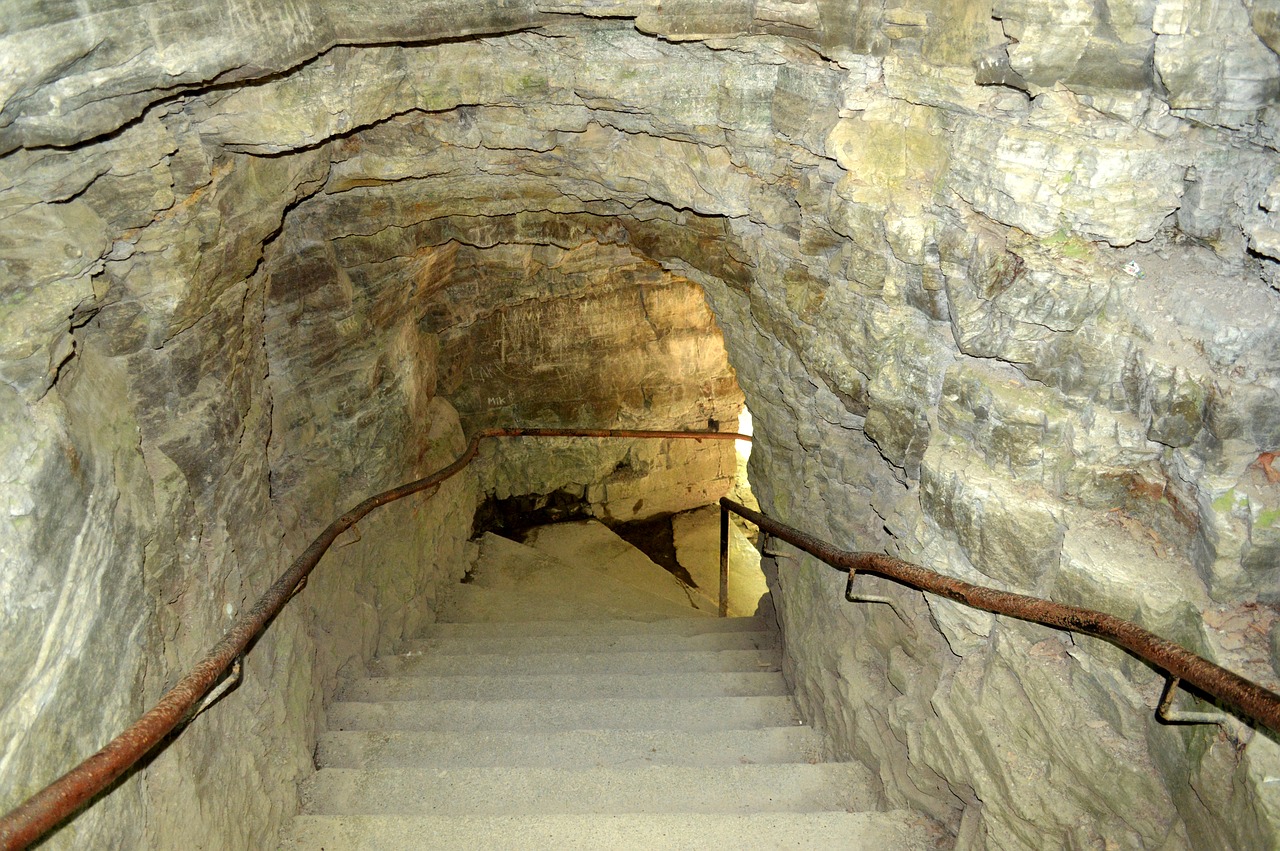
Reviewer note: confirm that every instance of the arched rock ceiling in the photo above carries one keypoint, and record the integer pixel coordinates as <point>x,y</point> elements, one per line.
<point>914,225</point>
<point>86,76</point>
<point>75,76</point>
<point>799,136</point>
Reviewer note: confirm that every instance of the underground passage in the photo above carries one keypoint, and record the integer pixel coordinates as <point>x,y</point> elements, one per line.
<point>640,424</point>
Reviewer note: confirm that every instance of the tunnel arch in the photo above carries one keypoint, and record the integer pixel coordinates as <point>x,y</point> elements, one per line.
<point>924,283</point>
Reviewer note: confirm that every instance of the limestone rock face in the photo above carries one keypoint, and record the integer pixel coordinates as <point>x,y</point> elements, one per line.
<point>1213,62</point>
<point>1000,293</point>
<point>1117,188</point>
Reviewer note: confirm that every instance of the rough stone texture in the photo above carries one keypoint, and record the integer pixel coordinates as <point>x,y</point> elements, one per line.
<point>912,225</point>
<point>596,335</point>
<point>140,491</point>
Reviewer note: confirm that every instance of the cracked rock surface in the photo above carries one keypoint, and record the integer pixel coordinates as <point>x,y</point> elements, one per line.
<point>998,282</point>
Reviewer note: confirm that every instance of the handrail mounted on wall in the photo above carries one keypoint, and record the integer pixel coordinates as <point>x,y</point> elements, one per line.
<point>56,802</point>
<point>1242,695</point>
<point>49,807</point>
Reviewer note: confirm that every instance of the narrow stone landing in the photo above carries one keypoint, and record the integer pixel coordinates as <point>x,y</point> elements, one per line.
<point>661,730</point>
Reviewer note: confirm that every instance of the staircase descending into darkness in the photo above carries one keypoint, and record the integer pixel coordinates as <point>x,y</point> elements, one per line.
<point>563,705</point>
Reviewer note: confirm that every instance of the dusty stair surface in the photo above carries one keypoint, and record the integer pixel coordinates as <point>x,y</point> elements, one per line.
<point>590,729</point>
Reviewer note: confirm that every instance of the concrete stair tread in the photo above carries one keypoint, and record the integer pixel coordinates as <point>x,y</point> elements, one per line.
<point>568,706</point>
<point>695,713</point>
<point>502,605</point>
<point>617,626</point>
<point>778,787</point>
<point>510,686</point>
<point>634,662</point>
<point>567,749</point>
<point>883,831</point>
<point>455,645</point>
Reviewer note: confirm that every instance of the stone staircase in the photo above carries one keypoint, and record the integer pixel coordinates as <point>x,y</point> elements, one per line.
<point>667,729</point>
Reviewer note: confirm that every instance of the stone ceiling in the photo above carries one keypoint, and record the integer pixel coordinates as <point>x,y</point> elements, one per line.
<point>997,280</point>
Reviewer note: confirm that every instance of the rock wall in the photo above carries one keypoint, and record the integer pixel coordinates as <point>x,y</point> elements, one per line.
<point>157,481</point>
<point>594,335</point>
<point>997,281</point>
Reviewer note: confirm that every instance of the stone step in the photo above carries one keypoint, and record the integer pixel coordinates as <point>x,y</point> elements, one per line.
<point>636,662</point>
<point>563,708</point>
<point>570,749</point>
<point>531,644</point>
<point>664,713</point>
<point>524,629</point>
<point>888,831</point>
<point>786,787</point>
<point>499,687</point>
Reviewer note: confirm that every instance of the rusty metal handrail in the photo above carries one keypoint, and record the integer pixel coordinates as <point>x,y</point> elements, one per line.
<point>49,807</point>
<point>1243,696</point>
<point>59,800</point>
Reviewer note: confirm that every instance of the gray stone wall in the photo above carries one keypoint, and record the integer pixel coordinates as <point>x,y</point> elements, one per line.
<point>157,483</point>
<point>915,227</point>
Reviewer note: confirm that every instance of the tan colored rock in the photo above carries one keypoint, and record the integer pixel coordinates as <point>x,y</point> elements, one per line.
<point>1117,187</point>
<point>1211,61</point>
<point>592,545</point>
<point>916,269</point>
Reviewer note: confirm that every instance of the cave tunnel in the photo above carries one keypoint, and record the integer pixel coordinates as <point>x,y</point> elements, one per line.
<point>996,282</point>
